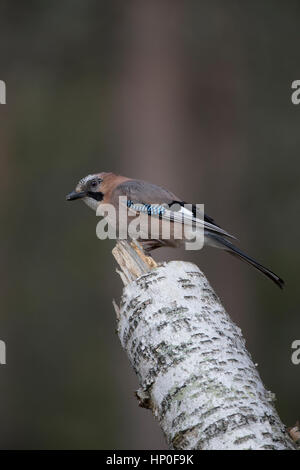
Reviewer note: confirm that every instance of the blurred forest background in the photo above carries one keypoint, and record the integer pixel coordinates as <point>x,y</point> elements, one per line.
<point>193,95</point>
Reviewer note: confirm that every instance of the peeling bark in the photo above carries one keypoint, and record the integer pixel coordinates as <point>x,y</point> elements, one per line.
<point>194,371</point>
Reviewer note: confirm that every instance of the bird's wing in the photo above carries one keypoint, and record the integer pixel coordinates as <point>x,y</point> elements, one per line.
<point>153,200</point>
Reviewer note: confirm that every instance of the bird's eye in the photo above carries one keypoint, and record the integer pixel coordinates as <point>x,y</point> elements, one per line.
<point>94,183</point>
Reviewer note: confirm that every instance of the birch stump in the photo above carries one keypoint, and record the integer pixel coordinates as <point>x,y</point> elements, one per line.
<point>194,371</point>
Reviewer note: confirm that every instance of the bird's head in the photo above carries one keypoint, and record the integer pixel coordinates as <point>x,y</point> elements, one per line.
<point>89,189</point>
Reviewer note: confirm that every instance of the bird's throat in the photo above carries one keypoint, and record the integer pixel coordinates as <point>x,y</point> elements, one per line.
<point>98,196</point>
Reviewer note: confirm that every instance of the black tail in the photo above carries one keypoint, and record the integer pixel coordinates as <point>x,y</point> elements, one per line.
<point>230,248</point>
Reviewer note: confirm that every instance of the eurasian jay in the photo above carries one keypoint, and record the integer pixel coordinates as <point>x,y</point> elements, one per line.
<point>153,201</point>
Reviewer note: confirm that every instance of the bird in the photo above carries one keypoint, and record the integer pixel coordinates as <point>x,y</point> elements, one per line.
<point>155,202</point>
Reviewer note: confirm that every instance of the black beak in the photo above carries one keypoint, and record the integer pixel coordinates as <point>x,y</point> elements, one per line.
<point>74,195</point>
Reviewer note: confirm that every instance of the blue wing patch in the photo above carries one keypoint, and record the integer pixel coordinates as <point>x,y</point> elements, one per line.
<point>150,209</point>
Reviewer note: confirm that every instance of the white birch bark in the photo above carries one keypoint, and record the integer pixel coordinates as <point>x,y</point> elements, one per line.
<point>194,371</point>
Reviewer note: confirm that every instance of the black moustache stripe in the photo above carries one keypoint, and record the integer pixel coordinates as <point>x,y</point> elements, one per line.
<point>98,196</point>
